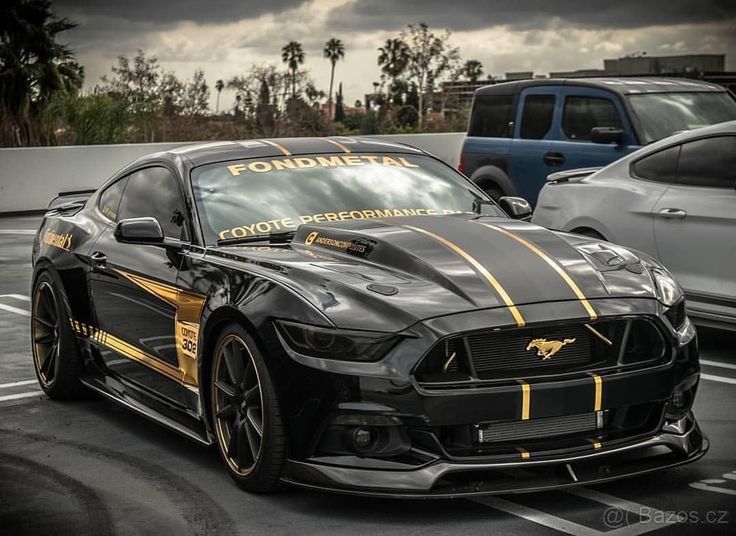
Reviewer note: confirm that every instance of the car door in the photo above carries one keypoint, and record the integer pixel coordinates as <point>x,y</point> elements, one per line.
<point>134,297</point>
<point>583,109</point>
<point>530,161</point>
<point>695,223</point>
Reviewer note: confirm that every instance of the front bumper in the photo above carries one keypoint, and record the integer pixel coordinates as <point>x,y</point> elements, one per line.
<point>677,444</point>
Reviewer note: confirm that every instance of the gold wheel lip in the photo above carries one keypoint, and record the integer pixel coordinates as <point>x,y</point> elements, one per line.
<point>221,442</point>
<point>45,382</point>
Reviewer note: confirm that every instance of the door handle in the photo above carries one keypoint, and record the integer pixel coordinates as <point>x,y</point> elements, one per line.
<point>553,158</point>
<point>98,259</point>
<point>673,213</point>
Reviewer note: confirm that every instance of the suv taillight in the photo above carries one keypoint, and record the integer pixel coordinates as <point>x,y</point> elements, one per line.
<point>461,163</point>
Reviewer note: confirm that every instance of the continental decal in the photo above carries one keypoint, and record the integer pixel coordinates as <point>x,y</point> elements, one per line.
<point>61,241</point>
<point>343,245</point>
<point>330,161</point>
<point>286,224</point>
<point>188,308</point>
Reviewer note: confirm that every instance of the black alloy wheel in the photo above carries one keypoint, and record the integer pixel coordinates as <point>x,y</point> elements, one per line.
<point>56,356</point>
<point>247,421</point>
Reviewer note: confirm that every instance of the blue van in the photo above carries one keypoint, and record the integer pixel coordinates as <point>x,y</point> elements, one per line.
<point>520,132</point>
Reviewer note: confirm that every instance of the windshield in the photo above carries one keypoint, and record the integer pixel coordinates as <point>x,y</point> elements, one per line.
<point>662,114</point>
<point>274,195</point>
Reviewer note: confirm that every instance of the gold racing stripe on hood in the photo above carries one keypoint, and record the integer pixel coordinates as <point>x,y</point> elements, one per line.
<point>339,145</point>
<point>278,146</point>
<point>492,281</point>
<point>552,263</point>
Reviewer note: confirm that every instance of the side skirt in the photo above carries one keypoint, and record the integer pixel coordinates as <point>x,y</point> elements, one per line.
<point>156,410</point>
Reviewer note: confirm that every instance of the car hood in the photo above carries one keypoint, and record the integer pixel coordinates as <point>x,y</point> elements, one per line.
<point>387,274</point>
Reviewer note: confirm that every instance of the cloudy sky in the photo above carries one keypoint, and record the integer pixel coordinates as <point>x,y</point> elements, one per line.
<point>226,37</point>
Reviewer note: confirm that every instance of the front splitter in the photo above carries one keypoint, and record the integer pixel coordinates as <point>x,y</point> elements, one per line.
<point>445,479</point>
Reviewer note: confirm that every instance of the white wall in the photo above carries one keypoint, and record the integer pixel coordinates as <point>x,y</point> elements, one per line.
<point>30,177</point>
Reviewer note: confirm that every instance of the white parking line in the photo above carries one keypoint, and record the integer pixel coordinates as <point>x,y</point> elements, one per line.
<point>17,384</point>
<point>538,517</point>
<point>16,297</point>
<point>17,232</point>
<point>20,395</point>
<point>15,310</point>
<point>714,378</point>
<point>717,364</point>
<point>626,508</point>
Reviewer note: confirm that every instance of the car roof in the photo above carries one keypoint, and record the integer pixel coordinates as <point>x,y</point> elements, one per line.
<point>623,86</point>
<point>221,151</point>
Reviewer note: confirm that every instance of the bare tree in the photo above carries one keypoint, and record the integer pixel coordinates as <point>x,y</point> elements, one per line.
<point>430,57</point>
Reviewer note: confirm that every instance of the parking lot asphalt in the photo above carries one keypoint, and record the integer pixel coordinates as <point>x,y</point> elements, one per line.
<point>91,467</point>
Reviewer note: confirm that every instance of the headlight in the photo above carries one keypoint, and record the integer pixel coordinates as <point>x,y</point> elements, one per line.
<point>330,343</point>
<point>668,290</point>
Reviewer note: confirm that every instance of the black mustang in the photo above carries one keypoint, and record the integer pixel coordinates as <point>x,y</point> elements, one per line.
<point>356,316</point>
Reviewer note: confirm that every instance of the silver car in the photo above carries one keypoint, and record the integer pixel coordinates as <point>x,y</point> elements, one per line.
<point>674,199</point>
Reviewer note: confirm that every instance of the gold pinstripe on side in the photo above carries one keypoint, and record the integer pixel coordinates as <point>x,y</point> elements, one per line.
<point>478,268</point>
<point>552,263</point>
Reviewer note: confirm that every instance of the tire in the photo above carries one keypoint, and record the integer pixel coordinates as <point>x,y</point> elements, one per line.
<point>253,450</point>
<point>56,357</point>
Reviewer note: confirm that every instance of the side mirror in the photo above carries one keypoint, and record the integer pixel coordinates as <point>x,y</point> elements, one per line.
<point>139,231</point>
<point>607,135</point>
<point>516,207</point>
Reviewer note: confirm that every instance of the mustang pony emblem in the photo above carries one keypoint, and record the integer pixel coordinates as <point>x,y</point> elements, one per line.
<point>546,349</point>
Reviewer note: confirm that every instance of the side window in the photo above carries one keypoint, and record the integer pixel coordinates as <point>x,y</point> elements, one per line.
<point>582,114</point>
<point>659,167</point>
<point>491,116</point>
<point>110,199</point>
<point>536,118</point>
<point>709,162</point>
<point>155,192</point>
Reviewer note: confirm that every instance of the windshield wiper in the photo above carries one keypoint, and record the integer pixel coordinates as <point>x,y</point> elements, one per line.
<point>271,238</point>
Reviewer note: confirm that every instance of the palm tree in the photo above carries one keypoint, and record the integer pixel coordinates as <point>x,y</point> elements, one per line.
<point>293,56</point>
<point>473,70</point>
<point>219,85</point>
<point>33,68</point>
<point>393,58</point>
<point>334,50</point>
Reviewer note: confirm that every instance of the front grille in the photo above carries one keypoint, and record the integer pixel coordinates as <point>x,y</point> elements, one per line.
<point>549,435</point>
<point>500,431</point>
<point>506,351</point>
<point>543,350</point>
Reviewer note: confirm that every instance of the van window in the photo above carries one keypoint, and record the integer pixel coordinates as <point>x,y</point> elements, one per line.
<point>491,116</point>
<point>582,114</point>
<point>536,117</point>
